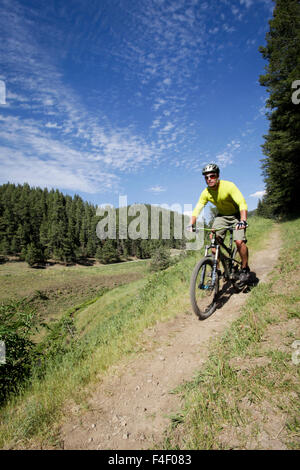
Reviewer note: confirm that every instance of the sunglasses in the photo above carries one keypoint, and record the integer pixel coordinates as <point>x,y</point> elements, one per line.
<point>212,176</point>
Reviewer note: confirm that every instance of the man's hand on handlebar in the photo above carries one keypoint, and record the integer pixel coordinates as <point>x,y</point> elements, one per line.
<point>191,228</point>
<point>241,225</point>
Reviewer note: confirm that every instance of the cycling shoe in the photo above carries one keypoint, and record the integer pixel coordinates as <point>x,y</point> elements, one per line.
<point>244,274</point>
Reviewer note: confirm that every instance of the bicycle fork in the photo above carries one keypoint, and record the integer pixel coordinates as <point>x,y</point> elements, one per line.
<point>202,285</point>
<point>215,265</point>
<point>214,271</point>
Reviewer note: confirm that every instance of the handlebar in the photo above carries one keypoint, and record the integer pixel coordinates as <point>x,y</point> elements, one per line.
<point>197,230</point>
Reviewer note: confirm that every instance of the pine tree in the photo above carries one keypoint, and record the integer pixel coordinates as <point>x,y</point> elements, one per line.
<point>59,246</point>
<point>108,252</point>
<point>34,255</point>
<point>281,167</point>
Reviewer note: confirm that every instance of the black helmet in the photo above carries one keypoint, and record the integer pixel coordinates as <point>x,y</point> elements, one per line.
<point>211,168</point>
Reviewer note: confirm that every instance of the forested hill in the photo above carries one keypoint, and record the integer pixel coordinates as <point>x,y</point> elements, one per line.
<point>281,165</point>
<point>37,225</point>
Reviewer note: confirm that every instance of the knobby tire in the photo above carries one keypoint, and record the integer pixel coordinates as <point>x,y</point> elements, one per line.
<point>204,302</point>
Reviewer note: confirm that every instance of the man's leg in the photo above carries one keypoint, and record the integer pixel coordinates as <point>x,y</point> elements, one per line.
<point>240,239</point>
<point>243,252</point>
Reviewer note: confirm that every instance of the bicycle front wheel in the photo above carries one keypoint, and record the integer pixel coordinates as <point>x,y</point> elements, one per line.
<point>203,291</point>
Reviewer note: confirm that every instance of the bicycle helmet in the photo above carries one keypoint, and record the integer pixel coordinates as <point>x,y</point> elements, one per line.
<point>211,168</point>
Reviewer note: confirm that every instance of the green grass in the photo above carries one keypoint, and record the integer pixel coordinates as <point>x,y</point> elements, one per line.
<point>250,384</point>
<point>258,227</point>
<point>104,332</point>
<point>53,291</point>
<point>19,280</point>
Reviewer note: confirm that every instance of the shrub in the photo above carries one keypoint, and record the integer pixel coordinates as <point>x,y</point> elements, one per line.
<point>161,259</point>
<point>16,320</point>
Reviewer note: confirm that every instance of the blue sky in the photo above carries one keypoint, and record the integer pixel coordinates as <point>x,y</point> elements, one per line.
<point>132,97</point>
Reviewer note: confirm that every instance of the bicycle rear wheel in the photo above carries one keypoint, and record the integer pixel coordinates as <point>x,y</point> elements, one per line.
<point>203,292</point>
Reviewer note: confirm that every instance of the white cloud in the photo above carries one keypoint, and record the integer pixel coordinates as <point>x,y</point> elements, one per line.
<point>228,29</point>
<point>52,173</point>
<point>258,194</point>
<point>79,137</point>
<point>247,3</point>
<point>156,189</point>
<point>155,123</point>
<point>224,159</point>
<point>160,102</point>
<point>227,156</point>
<point>167,127</point>
<point>251,42</point>
<point>53,125</point>
<point>61,136</point>
<point>30,153</point>
<point>269,4</point>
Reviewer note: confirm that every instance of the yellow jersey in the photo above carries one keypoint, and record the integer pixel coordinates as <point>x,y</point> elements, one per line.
<point>227,198</point>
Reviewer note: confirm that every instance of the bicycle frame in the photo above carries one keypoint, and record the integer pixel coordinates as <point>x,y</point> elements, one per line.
<point>208,272</point>
<point>217,244</point>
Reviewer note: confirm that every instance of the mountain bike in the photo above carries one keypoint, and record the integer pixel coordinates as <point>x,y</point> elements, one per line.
<point>210,270</point>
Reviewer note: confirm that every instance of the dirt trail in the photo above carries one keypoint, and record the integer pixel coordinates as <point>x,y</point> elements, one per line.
<point>130,408</point>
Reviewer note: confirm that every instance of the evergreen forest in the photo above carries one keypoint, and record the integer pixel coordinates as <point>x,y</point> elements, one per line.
<point>38,225</point>
<point>281,165</point>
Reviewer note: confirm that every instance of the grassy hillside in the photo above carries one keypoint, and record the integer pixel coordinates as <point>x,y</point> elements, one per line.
<point>87,341</point>
<point>53,291</point>
<point>247,394</point>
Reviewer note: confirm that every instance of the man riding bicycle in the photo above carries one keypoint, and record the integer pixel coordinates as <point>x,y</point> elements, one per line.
<point>232,210</point>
